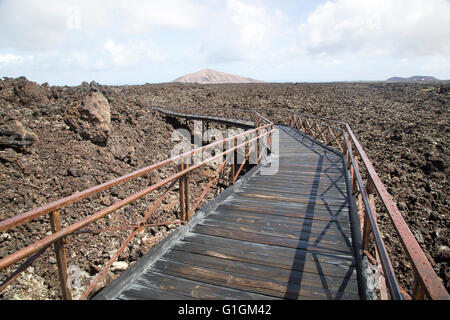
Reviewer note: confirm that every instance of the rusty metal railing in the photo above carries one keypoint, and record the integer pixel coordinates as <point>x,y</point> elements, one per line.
<point>254,139</point>
<point>340,135</point>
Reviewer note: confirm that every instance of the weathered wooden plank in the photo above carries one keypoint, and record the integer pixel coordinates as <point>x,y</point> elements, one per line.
<point>320,171</point>
<point>341,216</point>
<point>320,187</point>
<point>145,292</point>
<point>274,218</point>
<point>294,167</point>
<point>273,240</point>
<point>295,208</point>
<point>294,260</point>
<point>248,246</point>
<point>249,283</point>
<point>306,225</point>
<point>288,190</point>
<point>270,196</point>
<point>300,181</point>
<point>193,289</point>
<point>310,279</point>
<point>305,233</point>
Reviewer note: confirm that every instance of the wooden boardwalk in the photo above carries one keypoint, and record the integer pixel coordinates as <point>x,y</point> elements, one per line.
<point>282,236</point>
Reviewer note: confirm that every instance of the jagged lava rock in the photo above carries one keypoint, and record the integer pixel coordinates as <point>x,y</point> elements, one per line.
<point>14,135</point>
<point>91,119</point>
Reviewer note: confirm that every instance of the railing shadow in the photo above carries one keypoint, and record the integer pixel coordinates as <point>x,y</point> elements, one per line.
<point>298,266</point>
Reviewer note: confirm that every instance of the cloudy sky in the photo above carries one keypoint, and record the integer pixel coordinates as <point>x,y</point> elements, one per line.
<point>139,41</point>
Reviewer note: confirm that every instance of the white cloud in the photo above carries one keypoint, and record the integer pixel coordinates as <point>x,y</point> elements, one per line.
<point>30,24</point>
<point>10,59</point>
<point>379,28</point>
<point>132,52</point>
<point>51,24</point>
<point>255,24</point>
<point>81,58</point>
<point>238,30</point>
<point>138,17</point>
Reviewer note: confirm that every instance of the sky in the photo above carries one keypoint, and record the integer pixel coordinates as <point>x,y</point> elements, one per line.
<point>66,42</point>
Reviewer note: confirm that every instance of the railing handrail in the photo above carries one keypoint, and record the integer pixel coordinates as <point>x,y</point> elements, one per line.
<point>430,281</point>
<point>258,115</point>
<point>385,261</point>
<point>55,205</point>
<point>36,246</point>
<point>227,117</point>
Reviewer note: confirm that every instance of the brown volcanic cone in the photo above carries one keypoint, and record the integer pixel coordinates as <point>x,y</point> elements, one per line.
<point>211,76</point>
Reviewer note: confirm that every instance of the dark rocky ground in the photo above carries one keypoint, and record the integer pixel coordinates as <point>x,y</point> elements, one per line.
<point>57,140</point>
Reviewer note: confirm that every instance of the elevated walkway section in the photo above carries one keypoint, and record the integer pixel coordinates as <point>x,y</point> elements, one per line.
<point>282,236</point>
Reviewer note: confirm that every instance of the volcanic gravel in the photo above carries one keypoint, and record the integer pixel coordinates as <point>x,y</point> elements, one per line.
<point>404,128</point>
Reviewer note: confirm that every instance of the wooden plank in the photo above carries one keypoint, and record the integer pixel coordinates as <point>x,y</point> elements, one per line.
<point>274,218</point>
<point>193,289</point>
<point>302,185</point>
<point>305,233</point>
<point>310,279</point>
<point>297,208</point>
<point>311,225</point>
<point>299,201</point>
<point>317,214</point>
<point>311,170</point>
<point>301,180</point>
<point>299,167</point>
<point>143,292</point>
<point>294,260</point>
<point>287,190</point>
<point>270,196</point>
<point>303,151</point>
<point>301,173</point>
<point>331,257</point>
<point>245,282</point>
<point>272,240</point>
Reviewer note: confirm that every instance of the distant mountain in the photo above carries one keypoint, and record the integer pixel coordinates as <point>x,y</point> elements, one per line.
<point>412,79</point>
<point>206,76</point>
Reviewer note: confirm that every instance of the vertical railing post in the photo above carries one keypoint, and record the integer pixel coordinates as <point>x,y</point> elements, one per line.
<point>257,146</point>
<point>55,223</point>
<point>182,193</point>
<point>365,223</point>
<point>371,191</point>
<point>233,161</point>
<point>345,151</point>
<point>348,147</point>
<point>233,165</point>
<point>352,172</point>
<point>270,137</point>
<point>186,192</point>
<point>267,138</point>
